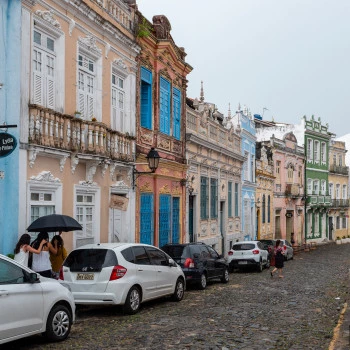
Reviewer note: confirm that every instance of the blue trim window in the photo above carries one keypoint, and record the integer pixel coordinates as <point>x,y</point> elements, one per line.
<point>204,197</point>
<point>176,113</point>
<point>229,199</point>
<point>164,106</point>
<point>176,220</point>
<point>164,219</point>
<point>146,98</point>
<point>146,218</point>
<point>213,198</point>
<point>236,199</point>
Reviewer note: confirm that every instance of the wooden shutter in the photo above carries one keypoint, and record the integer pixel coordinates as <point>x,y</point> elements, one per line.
<point>176,220</point>
<point>146,98</point>
<point>176,113</point>
<point>146,218</point>
<point>164,219</point>
<point>164,106</point>
<point>50,81</point>
<point>37,78</point>
<point>114,109</point>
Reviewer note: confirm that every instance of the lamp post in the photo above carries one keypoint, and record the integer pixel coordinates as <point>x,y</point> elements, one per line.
<point>153,162</point>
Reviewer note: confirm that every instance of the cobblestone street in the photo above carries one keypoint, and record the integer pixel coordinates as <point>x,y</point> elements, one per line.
<point>252,311</point>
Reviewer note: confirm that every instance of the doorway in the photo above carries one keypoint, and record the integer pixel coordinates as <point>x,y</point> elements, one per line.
<point>330,227</point>
<point>190,219</point>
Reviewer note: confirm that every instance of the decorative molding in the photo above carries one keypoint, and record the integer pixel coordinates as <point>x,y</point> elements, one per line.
<point>147,138</point>
<point>46,176</point>
<point>107,49</point>
<point>74,161</point>
<point>48,17</point>
<point>164,144</point>
<point>120,63</point>
<point>91,168</point>
<point>164,171</point>
<point>164,190</point>
<point>71,26</point>
<point>90,43</point>
<point>146,187</point>
<point>104,167</point>
<point>32,156</point>
<point>63,162</point>
<point>112,170</point>
<point>88,183</point>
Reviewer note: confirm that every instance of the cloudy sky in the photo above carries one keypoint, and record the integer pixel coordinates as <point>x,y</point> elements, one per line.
<point>289,56</point>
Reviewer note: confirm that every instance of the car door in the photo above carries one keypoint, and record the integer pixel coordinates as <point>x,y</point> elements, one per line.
<point>146,272</point>
<point>263,252</point>
<point>219,264</point>
<point>207,260</point>
<point>289,250</point>
<point>21,302</point>
<point>166,278</point>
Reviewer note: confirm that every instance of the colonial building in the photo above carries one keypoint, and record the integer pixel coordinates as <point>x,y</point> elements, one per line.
<point>77,134</point>
<point>338,190</point>
<point>214,176</point>
<point>318,200</point>
<point>161,124</point>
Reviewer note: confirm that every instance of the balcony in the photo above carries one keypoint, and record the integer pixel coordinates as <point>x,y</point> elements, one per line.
<point>292,190</point>
<point>339,203</point>
<point>337,169</point>
<point>51,129</point>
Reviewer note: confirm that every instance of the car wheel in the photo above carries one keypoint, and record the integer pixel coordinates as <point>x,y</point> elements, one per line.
<point>203,281</point>
<point>179,290</point>
<point>58,324</point>
<point>259,266</point>
<point>225,277</point>
<point>133,301</point>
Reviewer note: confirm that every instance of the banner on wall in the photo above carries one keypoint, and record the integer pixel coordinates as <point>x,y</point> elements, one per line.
<point>119,202</point>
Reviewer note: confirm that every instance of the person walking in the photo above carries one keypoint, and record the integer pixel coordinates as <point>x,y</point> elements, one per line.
<point>23,249</point>
<point>41,262</point>
<point>279,259</point>
<point>58,258</point>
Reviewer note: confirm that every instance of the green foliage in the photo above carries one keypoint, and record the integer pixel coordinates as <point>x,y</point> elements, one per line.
<point>144,29</point>
<point>12,256</point>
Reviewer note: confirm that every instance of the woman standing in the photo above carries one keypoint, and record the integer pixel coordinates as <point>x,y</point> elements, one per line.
<point>58,258</point>
<point>23,249</point>
<point>279,259</point>
<point>41,262</point>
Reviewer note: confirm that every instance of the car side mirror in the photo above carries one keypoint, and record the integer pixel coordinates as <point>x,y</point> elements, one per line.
<point>172,263</point>
<point>31,277</point>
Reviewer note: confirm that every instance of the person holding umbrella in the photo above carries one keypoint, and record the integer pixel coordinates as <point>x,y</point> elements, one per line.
<point>41,262</point>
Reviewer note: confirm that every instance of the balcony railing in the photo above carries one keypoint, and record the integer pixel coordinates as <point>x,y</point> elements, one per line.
<point>51,129</point>
<point>344,170</point>
<point>292,190</point>
<point>340,202</point>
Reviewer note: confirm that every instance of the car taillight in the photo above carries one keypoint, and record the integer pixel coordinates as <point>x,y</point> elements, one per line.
<point>117,272</point>
<point>255,251</point>
<point>285,247</point>
<point>61,277</point>
<point>189,263</point>
<point>230,252</point>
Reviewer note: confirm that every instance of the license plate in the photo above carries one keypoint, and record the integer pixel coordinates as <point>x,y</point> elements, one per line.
<point>85,276</point>
<point>242,262</point>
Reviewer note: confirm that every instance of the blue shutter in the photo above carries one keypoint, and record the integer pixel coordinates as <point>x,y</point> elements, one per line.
<point>146,218</point>
<point>164,106</point>
<point>177,113</point>
<point>176,220</point>
<point>164,219</point>
<point>213,198</point>
<point>230,199</point>
<point>204,198</point>
<point>146,98</point>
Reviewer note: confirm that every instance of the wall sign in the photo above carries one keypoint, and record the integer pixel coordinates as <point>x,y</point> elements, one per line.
<point>289,215</point>
<point>8,144</point>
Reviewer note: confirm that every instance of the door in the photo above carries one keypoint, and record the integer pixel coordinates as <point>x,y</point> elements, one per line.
<point>330,227</point>
<point>176,220</point>
<point>17,320</point>
<point>146,218</point>
<point>217,262</point>
<point>289,224</point>
<point>190,219</point>
<point>164,219</point>
<point>278,227</point>
<point>116,225</point>
<point>222,226</point>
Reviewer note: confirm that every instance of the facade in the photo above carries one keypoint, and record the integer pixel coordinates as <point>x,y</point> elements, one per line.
<point>265,180</point>
<point>214,176</point>
<point>77,133</point>
<point>338,190</point>
<point>10,83</point>
<point>318,200</point>
<point>161,124</point>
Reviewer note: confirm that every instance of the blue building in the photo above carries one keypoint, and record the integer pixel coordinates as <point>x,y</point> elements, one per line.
<point>10,68</point>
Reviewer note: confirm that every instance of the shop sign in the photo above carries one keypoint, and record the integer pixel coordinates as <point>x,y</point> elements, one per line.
<point>8,144</point>
<point>289,215</point>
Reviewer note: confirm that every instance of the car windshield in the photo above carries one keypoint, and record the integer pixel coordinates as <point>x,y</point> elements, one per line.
<point>243,246</point>
<point>90,259</point>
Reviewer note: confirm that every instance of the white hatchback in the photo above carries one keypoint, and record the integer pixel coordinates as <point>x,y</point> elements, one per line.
<point>248,253</point>
<point>121,274</point>
<point>32,304</point>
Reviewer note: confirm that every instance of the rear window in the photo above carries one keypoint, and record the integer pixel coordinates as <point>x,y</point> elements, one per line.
<point>90,260</point>
<point>244,246</point>
<point>176,251</point>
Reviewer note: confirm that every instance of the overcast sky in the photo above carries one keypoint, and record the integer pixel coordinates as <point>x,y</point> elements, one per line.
<point>289,56</point>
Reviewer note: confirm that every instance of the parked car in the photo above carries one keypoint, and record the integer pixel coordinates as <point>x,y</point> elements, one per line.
<point>121,274</point>
<point>289,252</point>
<point>32,304</point>
<point>248,253</point>
<point>199,262</point>
<point>269,245</point>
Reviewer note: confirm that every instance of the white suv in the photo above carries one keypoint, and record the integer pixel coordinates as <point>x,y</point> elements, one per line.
<point>32,304</point>
<point>248,253</point>
<point>121,274</point>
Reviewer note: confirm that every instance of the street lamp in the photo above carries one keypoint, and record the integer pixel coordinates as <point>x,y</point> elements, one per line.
<point>153,162</point>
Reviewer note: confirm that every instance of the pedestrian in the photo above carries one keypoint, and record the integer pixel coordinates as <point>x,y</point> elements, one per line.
<point>58,258</point>
<point>23,249</point>
<point>41,262</point>
<point>279,259</point>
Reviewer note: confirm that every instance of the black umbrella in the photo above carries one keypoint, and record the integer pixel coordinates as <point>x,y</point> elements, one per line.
<point>54,223</point>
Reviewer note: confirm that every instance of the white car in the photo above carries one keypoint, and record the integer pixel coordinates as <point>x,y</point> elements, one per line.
<point>288,249</point>
<point>248,253</point>
<point>32,304</point>
<point>121,274</point>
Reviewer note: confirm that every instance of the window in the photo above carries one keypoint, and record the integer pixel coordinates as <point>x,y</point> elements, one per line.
<point>300,171</point>
<point>236,200</point>
<point>118,102</point>
<point>204,197</point>
<point>290,171</point>
<point>263,208</point>
<point>316,187</point>
<point>229,200</point>
<point>344,222</point>
<point>176,113</point>
<point>141,257</point>
<point>86,86</point>
<point>85,215</point>
<point>146,98</point>
<point>337,191</point>
<point>309,186</point>
<point>11,273</point>
<point>323,152</point>
<point>331,189</point>
<point>334,159</point>
<point>245,166</point>
<point>309,150</point>
<point>268,208</point>
<point>278,166</point>
<point>316,151</point>
<point>340,157</point>
<point>337,226</point>
<point>44,69</point>
<point>157,257</point>
<point>323,187</point>
<point>344,194</point>
<point>213,198</point>
<point>164,105</point>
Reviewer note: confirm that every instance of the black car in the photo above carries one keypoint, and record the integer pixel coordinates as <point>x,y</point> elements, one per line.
<point>199,262</point>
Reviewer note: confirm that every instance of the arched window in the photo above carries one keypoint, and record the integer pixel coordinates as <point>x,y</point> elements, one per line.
<point>263,209</point>
<point>268,208</point>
